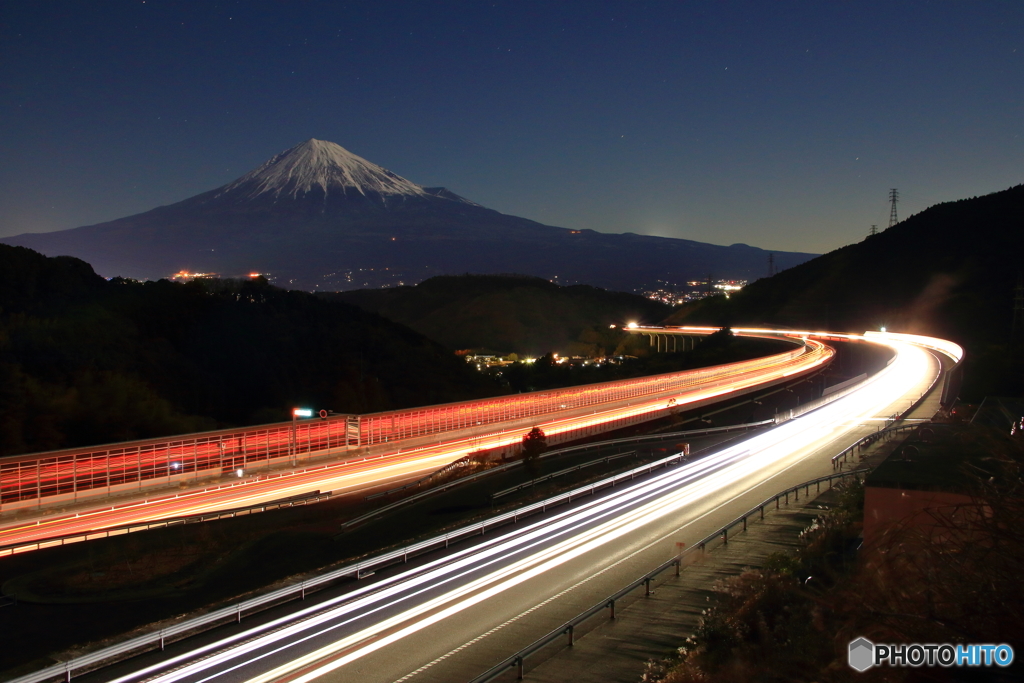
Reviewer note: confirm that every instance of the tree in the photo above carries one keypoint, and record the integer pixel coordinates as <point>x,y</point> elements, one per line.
<point>535,442</point>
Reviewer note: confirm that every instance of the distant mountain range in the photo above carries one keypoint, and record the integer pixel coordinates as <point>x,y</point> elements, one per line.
<point>319,218</point>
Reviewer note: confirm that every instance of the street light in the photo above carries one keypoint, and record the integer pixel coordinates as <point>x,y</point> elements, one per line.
<point>296,414</point>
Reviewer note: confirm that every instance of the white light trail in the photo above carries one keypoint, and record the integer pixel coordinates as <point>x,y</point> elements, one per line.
<point>409,601</point>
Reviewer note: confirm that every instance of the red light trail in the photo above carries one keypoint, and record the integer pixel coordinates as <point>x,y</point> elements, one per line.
<point>373,448</point>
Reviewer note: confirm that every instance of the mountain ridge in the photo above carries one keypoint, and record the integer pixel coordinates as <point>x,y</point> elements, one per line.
<point>522,314</point>
<point>324,164</point>
<point>951,271</point>
<point>320,218</point>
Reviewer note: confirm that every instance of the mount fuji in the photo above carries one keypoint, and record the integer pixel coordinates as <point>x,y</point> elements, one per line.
<point>319,218</point>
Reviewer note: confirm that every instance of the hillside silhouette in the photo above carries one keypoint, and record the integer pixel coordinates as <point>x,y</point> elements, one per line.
<point>85,360</point>
<point>949,271</point>
<point>511,313</point>
<point>320,218</point>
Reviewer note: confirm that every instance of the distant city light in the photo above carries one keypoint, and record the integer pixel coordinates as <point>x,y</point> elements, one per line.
<point>184,275</point>
<point>693,290</point>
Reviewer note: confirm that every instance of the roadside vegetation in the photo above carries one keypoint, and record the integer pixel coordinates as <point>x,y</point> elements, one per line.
<point>551,372</point>
<point>952,271</point>
<point>793,618</point>
<point>85,360</point>
<point>526,315</point>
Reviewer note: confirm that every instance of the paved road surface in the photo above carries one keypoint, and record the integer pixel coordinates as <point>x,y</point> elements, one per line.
<point>452,617</point>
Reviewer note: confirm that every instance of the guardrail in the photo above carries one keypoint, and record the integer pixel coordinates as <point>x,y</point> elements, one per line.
<point>519,463</point>
<point>888,431</point>
<point>291,501</point>
<point>297,591</point>
<point>839,459</point>
<point>520,512</point>
<point>568,629</point>
<point>580,447</point>
<point>805,408</point>
<point>559,473</point>
<point>69,475</point>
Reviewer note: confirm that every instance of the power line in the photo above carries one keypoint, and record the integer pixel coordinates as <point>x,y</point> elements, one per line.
<point>894,196</point>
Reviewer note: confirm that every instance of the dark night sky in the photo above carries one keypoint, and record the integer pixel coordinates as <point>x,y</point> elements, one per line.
<point>779,124</point>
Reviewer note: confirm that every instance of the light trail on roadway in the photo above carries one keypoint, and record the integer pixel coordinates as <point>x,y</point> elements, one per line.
<point>377,619</point>
<point>363,473</point>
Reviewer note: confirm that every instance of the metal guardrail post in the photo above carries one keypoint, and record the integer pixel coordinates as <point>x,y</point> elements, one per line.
<point>676,562</point>
<point>362,570</point>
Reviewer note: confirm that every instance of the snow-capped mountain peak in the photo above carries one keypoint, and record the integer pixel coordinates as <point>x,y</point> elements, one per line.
<point>318,164</point>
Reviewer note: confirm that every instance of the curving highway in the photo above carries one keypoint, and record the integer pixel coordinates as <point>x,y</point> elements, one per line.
<point>400,461</point>
<point>452,616</point>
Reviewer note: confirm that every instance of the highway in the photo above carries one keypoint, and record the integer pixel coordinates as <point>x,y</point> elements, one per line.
<point>398,463</point>
<point>452,615</point>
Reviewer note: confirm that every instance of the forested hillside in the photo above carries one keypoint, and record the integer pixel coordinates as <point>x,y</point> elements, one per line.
<point>86,360</point>
<point>950,271</point>
<point>512,313</point>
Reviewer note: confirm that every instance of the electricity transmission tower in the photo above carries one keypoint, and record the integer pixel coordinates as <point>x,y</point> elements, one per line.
<point>874,230</point>
<point>771,263</point>
<point>894,196</point>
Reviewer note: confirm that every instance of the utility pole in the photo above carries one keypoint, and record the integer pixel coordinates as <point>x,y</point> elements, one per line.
<point>894,196</point>
<point>771,263</point>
